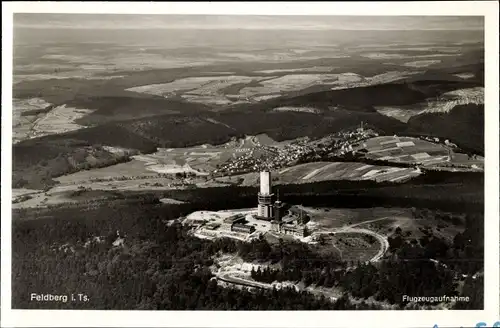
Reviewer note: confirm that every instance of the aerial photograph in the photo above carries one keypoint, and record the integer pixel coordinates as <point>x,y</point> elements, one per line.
<point>234,162</point>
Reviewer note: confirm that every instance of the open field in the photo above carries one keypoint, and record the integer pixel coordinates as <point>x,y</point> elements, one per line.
<point>225,78</point>
<point>61,76</point>
<point>236,89</point>
<point>324,171</point>
<point>413,228</point>
<point>134,168</point>
<point>383,221</point>
<point>442,104</point>
<point>334,218</point>
<point>415,48</point>
<point>88,64</point>
<point>59,120</point>
<point>458,97</point>
<point>321,171</point>
<point>214,89</point>
<point>422,63</point>
<point>22,122</point>
<point>35,118</point>
<point>69,186</point>
<point>198,161</point>
<point>417,151</point>
<point>288,83</point>
<point>353,246</point>
<point>154,171</point>
<point>16,192</point>
<point>127,182</point>
<point>402,113</point>
<point>22,107</point>
<point>271,57</point>
<point>204,159</point>
<point>465,76</point>
<point>205,89</point>
<point>297,109</point>
<point>463,159</point>
<point>406,150</point>
<point>304,69</point>
<point>385,55</point>
<point>352,80</point>
<point>64,195</point>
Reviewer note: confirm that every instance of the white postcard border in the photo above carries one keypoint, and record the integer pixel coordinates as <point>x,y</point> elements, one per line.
<point>386,319</point>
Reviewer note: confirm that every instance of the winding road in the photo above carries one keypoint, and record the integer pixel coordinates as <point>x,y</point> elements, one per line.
<point>228,276</point>
<point>384,243</point>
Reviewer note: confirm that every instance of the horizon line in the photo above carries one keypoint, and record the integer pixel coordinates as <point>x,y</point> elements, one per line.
<point>69,27</point>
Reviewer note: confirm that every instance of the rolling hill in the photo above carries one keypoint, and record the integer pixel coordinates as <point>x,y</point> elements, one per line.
<point>37,161</point>
<point>143,122</point>
<point>464,125</point>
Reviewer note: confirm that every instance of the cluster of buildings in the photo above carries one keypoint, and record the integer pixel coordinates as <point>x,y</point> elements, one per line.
<point>265,158</point>
<point>271,215</point>
<point>350,138</point>
<point>437,140</point>
<point>430,139</point>
<point>284,219</point>
<point>237,223</point>
<point>290,225</point>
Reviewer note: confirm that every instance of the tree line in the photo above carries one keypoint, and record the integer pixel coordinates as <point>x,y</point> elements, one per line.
<point>162,267</point>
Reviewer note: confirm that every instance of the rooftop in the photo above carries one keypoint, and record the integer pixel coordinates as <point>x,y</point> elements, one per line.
<point>234,218</point>
<point>288,219</point>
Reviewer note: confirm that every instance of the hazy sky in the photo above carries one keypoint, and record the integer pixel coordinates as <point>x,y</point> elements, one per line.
<point>114,21</point>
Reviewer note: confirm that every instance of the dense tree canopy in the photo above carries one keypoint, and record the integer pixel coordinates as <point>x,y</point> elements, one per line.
<point>161,266</point>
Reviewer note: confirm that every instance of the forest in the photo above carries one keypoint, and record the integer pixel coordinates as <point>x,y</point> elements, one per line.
<point>426,267</point>
<point>449,191</point>
<point>168,270</point>
<point>160,266</point>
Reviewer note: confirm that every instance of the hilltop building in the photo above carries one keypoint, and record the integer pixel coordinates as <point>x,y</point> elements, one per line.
<point>284,219</point>
<point>293,223</point>
<point>361,128</point>
<point>236,223</point>
<point>279,208</point>
<point>228,223</point>
<point>265,206</point>
<point>298,230</point>
<point>241,227</point>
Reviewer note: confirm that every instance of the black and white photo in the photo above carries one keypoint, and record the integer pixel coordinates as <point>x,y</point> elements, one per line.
<point>265,162</point>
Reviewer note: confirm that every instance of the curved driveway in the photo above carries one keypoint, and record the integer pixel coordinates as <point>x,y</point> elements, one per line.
<point>384,246</point>
<point>384,243</point>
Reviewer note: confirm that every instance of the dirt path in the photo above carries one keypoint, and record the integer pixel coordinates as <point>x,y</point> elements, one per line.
<point>227,276</point>
<point>374,220</point>
<point>384,243</point>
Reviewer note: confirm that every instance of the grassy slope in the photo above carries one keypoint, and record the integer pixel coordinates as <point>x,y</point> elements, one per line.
<point>36,161</point>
